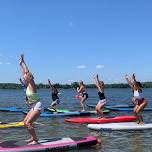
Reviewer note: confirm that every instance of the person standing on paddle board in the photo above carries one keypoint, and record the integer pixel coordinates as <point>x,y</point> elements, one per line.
<point>55,98</point>
<point>138,99</point>
<point>102,99</point>
<point>33,101</point>
<point>83,94</point>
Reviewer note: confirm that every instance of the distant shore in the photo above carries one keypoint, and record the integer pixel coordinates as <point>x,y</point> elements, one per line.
<point>73,85</point>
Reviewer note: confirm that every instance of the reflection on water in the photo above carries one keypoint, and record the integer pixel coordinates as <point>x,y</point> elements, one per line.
<point>56,127</point>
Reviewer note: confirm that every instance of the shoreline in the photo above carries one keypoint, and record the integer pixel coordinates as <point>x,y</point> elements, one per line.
<point>72,86</point>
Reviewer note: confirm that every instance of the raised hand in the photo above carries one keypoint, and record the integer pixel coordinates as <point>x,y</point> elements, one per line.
<point>126,76</point>
<point>48,80</point>
<point>21,59</point>
<point>133,76</point>
<point>97,76</point>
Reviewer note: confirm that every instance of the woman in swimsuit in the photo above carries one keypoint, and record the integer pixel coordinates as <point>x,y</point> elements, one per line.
<point>102,99</point>
<point>138,98</point>
<point>55,98</point>
<point>83,94</point>
<point>33,101</point>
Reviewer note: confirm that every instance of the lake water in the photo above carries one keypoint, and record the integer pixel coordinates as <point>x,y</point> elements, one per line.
<point>135,141</point>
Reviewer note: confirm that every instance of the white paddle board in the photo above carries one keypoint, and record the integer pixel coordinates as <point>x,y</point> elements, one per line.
<point>124,126</point>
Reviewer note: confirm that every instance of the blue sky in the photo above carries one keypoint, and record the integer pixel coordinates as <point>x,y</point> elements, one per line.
<point>70,40</point>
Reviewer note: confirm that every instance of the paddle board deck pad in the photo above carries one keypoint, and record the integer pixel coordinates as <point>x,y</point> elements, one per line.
<point>57,110</point>
<point>69,111</point>
<point>102,120</point>
<point>54,144</point>
<point>11,109</point>
<point>10,125</point>
<point>124,126</point>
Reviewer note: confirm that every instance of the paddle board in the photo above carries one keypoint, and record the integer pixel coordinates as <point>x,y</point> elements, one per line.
<point>112,106</point>
<point>11,109</point>
<point>127,109</point>
<point>69,111</point>
<point>10,125</point>
<point>77,97</point>
<point>123,126</point>
<point>54,144</point>
<point>54,114</point>
<point>102,120</point>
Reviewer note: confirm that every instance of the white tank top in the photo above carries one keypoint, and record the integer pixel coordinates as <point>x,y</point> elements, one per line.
<point>138,95</point>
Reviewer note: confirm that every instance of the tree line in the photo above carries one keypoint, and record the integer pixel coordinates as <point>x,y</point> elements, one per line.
<point>72,85</point>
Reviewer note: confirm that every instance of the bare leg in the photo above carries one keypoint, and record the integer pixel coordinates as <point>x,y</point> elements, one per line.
<point>137,111</point>
<point>53,106</point>
<point>141,107</point>
<point>136,114</point>
<point>82,103</point>
<point>28,115</point>
<point>141,122</point>
<point>25,119</point>
<point>32,117</point>
<point>99,108</point>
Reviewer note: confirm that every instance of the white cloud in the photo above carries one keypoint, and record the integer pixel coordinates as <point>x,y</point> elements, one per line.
<point>99,66</point>
<point>115,81</point>
<point>1,62</point>
<point>81,66</point>
<point>70,80</point>
<point>145,80</point>
<point>8,63</point>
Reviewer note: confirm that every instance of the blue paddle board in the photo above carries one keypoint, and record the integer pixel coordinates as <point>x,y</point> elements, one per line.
<point>11,109</point>
<point>56,114</point>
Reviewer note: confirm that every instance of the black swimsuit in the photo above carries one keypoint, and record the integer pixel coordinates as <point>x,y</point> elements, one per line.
<point>101,95</point>
<point>55,95</point>
<point>84,94</point>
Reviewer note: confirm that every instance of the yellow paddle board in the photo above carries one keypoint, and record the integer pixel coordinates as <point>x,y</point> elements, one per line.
<point>9,125</point>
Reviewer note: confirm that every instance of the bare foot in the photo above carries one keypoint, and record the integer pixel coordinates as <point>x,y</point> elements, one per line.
<point>82,110</point>
<point>33,142</point>
<point>100,117</point>
<point>99,141</point>
<point>141,123</point>
<point>29,140</point>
